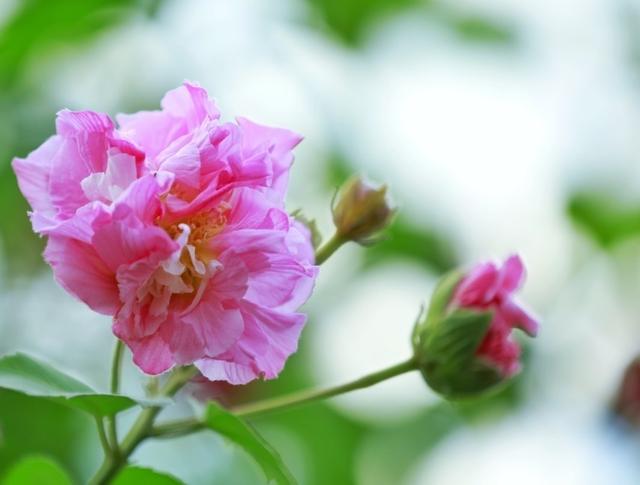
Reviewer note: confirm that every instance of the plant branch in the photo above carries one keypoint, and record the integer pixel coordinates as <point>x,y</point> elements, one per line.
<point>267,406</point>
<point>104,442</point>
<point>325,251</point>
<point>141,428</point>
<point>116,367</point>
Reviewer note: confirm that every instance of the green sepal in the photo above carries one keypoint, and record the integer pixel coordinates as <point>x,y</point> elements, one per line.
<point>445,342</point>
<point>438,305</point>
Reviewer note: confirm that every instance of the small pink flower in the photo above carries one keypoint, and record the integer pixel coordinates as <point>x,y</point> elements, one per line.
<point>490,287</point>
<point>174,224</point>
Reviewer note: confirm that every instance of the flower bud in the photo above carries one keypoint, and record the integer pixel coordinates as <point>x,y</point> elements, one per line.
<point>463,345</point>
<point>362,210</point>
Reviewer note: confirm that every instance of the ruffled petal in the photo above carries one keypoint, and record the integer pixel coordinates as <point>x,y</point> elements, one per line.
<point>516,316</point>
<point>217,327</point>
<point>512,274</point>
<point>33,174</point>
<point>277,143</point>
<point>221,370</point>
<point>479,287</point>
<point>78,268</point>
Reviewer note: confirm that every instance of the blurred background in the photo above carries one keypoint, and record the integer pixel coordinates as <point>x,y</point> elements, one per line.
<point>500,126</point>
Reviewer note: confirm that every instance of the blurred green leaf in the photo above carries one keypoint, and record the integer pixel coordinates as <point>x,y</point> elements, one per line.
<point>38,25</point>
<point>323,442</point>
<point>420,244</point>
<point>478,29</point>
<point>133,475</point>
<point>606,220</point>
<point>350,19</point>
<point>24,374</point>
<point>33,426</point>
<point>243,435</point>
<point>392,452</point>
<point>36,470</point>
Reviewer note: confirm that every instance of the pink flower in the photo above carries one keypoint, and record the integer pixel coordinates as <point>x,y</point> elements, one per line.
<point>174,224</point>
<point>489,287</point>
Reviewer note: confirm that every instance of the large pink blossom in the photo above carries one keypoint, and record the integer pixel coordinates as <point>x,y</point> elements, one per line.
<point>174,224</point>
<point>490,287</point>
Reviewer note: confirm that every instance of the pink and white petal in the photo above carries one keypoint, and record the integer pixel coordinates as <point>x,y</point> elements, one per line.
<point>151,131</point>
<point>125,240</point>
<point>191,103</point>
<point>512,274</point>
<point>516,316</point>
<point>281,329</point>
<point>83,151</point>
<point>230,282</point>
<point>244,241</point>
<point>479,286</point>
<point>80,226</point>
<point>299,242</point>
<point>73,123</point>
<point>143,196</point>
<point>217,327</point>
<point>278,142</point>
<point>251,209</point>
<point>68,168</point>
<point>279,282</point>
<point>228,371</point>
<point>78,268</point>
<point>151,354</point>
<point>499,349</point>
<point>33,174</point>
<point>185,165</point>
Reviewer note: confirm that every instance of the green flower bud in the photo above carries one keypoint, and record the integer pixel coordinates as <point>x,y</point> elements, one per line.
<point>445,341</point>
<point>361,210</point>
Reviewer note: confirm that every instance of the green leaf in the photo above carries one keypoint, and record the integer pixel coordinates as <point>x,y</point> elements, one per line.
<point>420,244</point>
<point>36,470</point>
<point>605,219</point>
<point>26,375</point>
<point>134,475</point>
<point>239,432</point>
<point>350,20</point>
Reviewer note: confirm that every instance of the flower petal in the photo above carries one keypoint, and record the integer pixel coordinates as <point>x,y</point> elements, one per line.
<point>79,269</point>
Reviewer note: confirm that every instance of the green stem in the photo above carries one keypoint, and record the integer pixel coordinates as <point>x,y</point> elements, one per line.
<point>103,436</point>
<point>267,406</point>
<point>116,366</point>
<point>141,428</point>
<point>325,251</point>
<point>260,408</point>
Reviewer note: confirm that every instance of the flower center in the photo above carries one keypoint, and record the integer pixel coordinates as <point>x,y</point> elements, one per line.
<point>189,268</point>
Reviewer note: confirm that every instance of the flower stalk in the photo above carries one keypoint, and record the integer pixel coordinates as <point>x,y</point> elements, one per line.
<point>116,369</point>
<point>141,428</point>
<point>327,249</point>
<point>261,408</point>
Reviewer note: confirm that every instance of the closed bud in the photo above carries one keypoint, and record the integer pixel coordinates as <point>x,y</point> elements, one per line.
<point>464,344</point>
<point>361,210</point>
